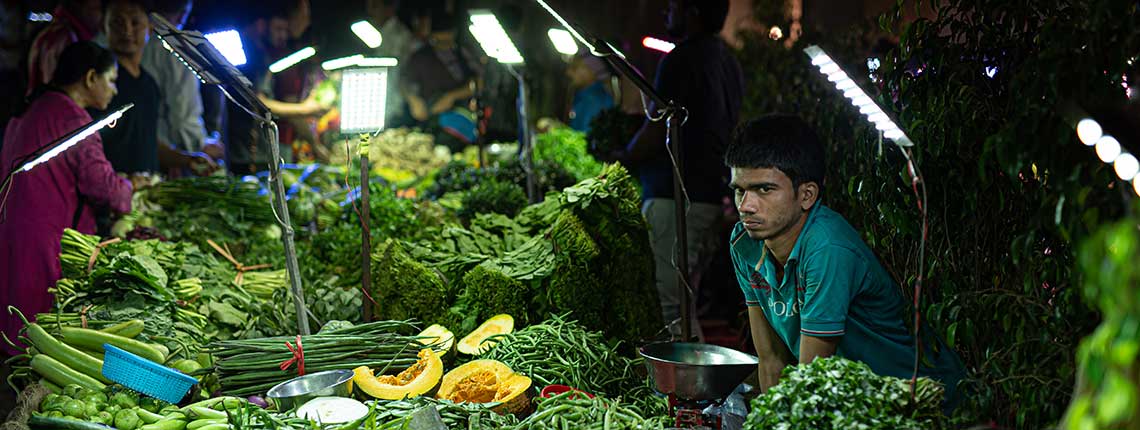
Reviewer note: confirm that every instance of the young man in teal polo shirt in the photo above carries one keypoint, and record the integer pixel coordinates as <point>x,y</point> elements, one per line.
<point>812,287</point>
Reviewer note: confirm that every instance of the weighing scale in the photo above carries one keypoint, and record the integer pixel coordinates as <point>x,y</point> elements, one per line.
<point>696,376</point>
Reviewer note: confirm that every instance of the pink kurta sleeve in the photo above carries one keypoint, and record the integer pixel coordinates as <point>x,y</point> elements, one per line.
<point>96,179</point>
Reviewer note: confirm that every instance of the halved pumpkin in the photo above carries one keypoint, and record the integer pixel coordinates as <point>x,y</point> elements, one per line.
<point>440,336</point>
<point>487,381</point>
<point>417,380</point>
<point>477,341</point>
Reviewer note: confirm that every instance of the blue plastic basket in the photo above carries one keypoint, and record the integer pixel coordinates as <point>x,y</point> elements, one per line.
<point>145,376</point>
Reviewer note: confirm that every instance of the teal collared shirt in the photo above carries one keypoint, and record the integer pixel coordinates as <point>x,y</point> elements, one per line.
<point>833,285</point>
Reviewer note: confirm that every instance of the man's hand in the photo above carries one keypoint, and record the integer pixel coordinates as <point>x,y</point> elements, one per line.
<point>418,108</point>
<point>201,164</point>
<point>443,104</point>
<point>773,354</point>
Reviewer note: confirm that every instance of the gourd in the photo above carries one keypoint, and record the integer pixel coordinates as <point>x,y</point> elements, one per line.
<point>479,341</point>
<point>417,380</point>
<point>488,381</point>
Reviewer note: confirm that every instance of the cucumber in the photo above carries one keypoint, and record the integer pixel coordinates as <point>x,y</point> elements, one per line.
<point>41,422</point>
<point>218,426</point>
<point>65,353</point>
<point>61,375</point>
<point>165,425</point>
<point>54,389</point>
<point>148,417</point>
<point>199,412</point>
<point>195,425</point>
<point>130,329</point>
<point>93,339</point>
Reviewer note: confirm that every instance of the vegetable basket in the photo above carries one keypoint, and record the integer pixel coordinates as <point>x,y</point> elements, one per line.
<point>145,376</point>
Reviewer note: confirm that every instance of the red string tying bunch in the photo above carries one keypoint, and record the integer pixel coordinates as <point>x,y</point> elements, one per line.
<point>298,357</point>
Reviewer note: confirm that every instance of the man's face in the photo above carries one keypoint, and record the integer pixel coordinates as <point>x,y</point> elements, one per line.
<point>767,202</point>
<point>278,32</point>
<point>580,75</point>
<point>675,20</point>
<point>90,13</point>
<point>127,28</point>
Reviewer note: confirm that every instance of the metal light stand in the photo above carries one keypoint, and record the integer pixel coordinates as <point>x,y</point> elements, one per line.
<point>674,118</point>
<point>526,139</point>
<point>210,67</point>
<point>365,231</point>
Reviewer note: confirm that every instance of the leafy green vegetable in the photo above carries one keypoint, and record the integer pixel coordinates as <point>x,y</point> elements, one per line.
<point>567,148</point>
<point>493,196</point>
<point>838,393</point>
<point>404,288</point>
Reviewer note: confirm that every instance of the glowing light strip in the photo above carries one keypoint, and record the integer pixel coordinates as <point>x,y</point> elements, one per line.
<point>73,140</point>
<point>367,34</point>
<point>229,44</point>
<point>359,60</point>
<point>858,98</point>
<point>657,44</point>
<point>566,25</point>
<point>494,40</point>
<point>292,59</point>
<point>1108,149</point>
<point>563,41</point>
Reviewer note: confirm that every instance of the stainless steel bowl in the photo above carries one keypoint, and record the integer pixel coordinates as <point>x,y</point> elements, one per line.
<point>295,392</point>
<point>696,371</point>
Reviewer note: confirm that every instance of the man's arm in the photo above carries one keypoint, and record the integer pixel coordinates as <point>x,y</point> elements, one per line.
<point>308,107</point>
<point>774,355</point>
<point>447,101</point>
<point>812,347</point>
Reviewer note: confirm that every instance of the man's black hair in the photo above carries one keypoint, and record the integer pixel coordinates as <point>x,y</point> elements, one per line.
<point>712,13</point>
<point>780,141</point>
<point>146,5</point>
<point>170,7</point>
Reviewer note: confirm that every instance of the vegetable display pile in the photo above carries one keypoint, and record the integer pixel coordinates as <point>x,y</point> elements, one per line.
<point>78,408</point>
<point>583,243</point>
<point>561,351</point>
<point>836,393</point>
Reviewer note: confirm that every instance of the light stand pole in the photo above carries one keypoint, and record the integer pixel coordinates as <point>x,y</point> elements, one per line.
<point>210,67</point>
<point>526,139</point>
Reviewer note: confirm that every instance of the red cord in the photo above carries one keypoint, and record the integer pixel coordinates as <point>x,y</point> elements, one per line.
<point>298,357</point>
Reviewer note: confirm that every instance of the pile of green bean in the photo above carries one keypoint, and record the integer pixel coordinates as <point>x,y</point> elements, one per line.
<point>471,416</point>
<point>562,351</point>
<point>252,366</point>
<point>575,411</point>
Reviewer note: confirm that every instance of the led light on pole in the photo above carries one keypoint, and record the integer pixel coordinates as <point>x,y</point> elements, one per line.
<point>342,62</point>
<point>359,61</point>
<point>363,97</point>
<point>74,139</point>
<point>367,34</point>
<point>859,99</point>
<point>292,59</point>
<point>494,40</point>
<point>563,41</point>
<point>1089,131</point>
<point>657,44</point>
<point>229,44</point>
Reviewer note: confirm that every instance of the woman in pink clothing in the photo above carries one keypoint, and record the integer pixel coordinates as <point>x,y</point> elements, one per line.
<point>60,193</point>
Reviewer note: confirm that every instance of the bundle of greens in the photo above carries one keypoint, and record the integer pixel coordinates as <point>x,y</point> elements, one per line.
<point>250,367</point>
<point>611,131</point>
<point>404,288</point>
<point>836,393</point>
<point>571,410</point>
<point>566,147</point>
<point>562,351</point>
<point>493,196</point>
<point>458,176</point>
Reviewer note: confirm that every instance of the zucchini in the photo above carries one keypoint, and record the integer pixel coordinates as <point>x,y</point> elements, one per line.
<point>65,353</point>
<point>199,413</point>
<point>61,375</point>
<point>41,422</point>
<point>130,329</point>
<point>218,426</point>
<point>54,389</point>
<point>93,339</point>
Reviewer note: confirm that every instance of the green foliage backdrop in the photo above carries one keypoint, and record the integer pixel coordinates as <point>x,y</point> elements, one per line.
<point>1011,189</point>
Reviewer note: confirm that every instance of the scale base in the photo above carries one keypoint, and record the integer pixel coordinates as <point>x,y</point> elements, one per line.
<point>689,414</point>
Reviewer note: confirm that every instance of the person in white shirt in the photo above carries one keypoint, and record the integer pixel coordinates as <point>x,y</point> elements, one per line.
<point>180,122</point>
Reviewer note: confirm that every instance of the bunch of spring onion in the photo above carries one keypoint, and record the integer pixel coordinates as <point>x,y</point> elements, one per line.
<point>253,366</point>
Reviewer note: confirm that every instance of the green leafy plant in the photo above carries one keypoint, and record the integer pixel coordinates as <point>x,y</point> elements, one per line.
<point>493,196</point>
<point>837,393</point>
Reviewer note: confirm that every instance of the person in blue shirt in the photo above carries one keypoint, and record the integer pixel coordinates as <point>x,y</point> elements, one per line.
<point>812,287</point>
<point>588,77</point>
